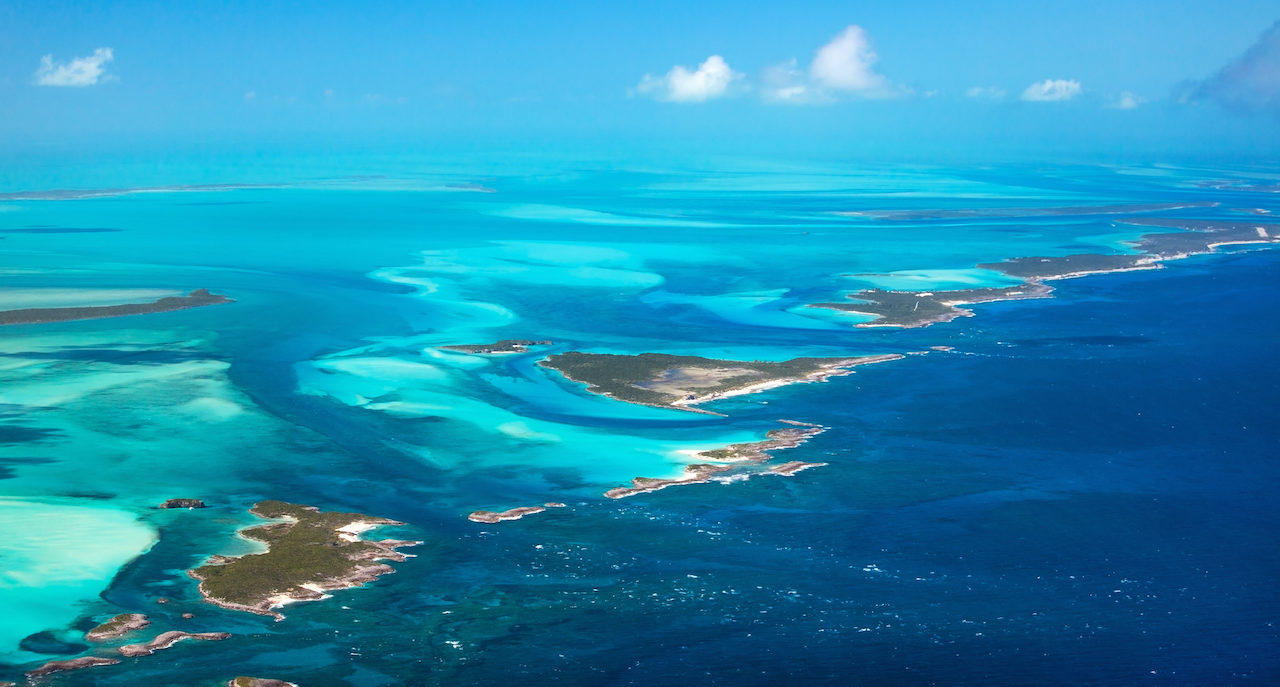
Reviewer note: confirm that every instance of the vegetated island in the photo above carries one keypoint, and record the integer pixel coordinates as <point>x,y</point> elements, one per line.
<point>497,348</point>
<point>167,639</point>
<point>922,308</point>
<point>244,681</point>
<point>183,503</point>
<point>740,459</point>
<point>681,381</point>
<point>492,517</point>
<point>118,626</point>
<point>196,299</point>
<point>311,552</point>
<point>71,664</point>
<point>257,682</point>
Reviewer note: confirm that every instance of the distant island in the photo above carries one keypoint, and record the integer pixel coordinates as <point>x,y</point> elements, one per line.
<point>1013,212</point>
<point>492,517</point>
<point>499,347</point>
<point>681,381</point>
<point>923,308</point>
<point>196,299</point>
<point>311,552</point>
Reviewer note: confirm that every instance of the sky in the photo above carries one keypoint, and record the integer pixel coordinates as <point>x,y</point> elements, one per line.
<point>914,77</point>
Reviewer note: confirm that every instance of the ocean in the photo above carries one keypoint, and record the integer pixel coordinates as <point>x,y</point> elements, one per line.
<point>1075,490</point>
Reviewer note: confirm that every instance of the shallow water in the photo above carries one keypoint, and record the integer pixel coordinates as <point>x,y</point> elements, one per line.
<point>1077,493</point>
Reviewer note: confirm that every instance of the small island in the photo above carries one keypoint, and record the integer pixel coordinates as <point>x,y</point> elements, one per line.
<point>167,639</point>
<point>681,381</point>
<point>196,299</point>
<point>309,553</point>
<point>1015,212</point>
<point>71,664</point>
<point>491,517</point>
<point>117,627</point>
<point>244,681</point>
<point>506,346</point>
<point>738,459</point>
<point>183,503</point>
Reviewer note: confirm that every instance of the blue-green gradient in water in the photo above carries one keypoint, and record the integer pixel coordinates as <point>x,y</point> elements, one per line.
<point>1078,492</point>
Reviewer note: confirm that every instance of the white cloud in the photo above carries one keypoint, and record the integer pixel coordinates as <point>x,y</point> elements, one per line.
<point>986,93</point>
<point>712,79</point>
<point>845,64</point>
<point>1052,90</point>
<point>79,72</point>
<point>1126,101</point>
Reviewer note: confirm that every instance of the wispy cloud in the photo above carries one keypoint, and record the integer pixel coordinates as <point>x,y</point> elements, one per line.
<point>1250,83</point>
<point>845,65</point>
<point>1126,101</point>
<point>986,93</point>
<point>79,72</point>
<point>714,78</point>
<point>1052,90</point>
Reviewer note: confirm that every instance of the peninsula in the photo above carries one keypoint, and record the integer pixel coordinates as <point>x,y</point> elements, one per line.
<point>681,381</point>
<point>196,299</point>
<point>309,552</point>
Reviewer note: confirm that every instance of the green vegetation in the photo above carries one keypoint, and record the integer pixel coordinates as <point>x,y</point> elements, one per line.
<point>196,299</point>
<point>117,626</point>
<point>307,549</point>
<point>1048,268</point>
<point>917,309</point>
<point>663,380</point>
<point>504,346</point>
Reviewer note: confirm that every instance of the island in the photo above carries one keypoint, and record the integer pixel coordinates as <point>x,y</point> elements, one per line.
<point>309,552</point>
<point>491,517</point>
<point>71,664</point>
<point>923,308</point>
<point>183,503</point>
<point>167,639</point>
<point>258,682</point>
<point>117,627</point>
<point>736,459</point>
<point>681,381</point>
<point>506,346</point>
<point>196,299</point>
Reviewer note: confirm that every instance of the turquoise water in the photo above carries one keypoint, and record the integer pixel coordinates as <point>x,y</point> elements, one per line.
<point>976,503</point>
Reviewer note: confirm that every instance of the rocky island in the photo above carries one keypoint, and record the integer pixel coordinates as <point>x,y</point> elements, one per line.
<point>117,627</point>
<point>681,381</point>
<point>183,503</point>
<point>196,299</point>
<point>737,459</point>
<point>167,639</point>
<point>244,681</point>
<point>309,552</point>
<point>71,664</point>
<point>505,346</point>
<point>491,517</point>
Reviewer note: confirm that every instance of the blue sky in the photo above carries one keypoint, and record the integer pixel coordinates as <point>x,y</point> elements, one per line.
<point>1005,75</point>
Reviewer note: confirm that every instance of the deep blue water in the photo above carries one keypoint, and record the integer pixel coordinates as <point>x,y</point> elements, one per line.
<point>1081,492</point>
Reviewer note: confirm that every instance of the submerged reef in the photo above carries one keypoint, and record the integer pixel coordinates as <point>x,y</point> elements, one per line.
<point>196,299</point>
<point>680,381</point>
<point>923,308</point>
<point>310,552</point>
